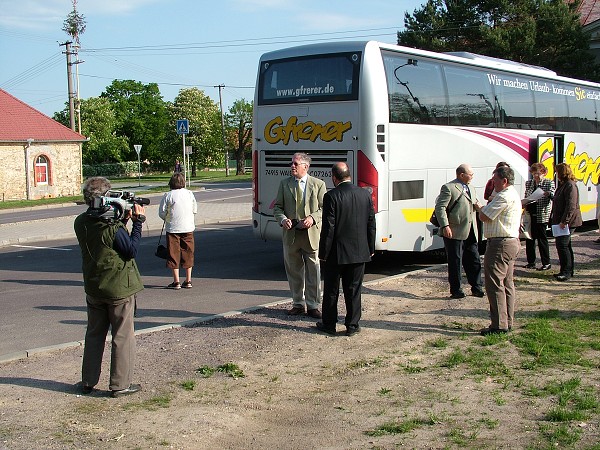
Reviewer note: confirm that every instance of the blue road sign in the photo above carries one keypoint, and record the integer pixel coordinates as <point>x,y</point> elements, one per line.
<point>183,126</point>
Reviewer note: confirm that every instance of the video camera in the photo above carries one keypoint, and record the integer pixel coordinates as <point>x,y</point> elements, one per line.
<point>113,205</point>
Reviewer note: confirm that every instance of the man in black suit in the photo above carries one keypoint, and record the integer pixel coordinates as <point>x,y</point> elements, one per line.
<point>347,243</point>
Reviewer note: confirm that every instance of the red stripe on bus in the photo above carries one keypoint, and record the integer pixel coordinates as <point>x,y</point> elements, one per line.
<point>517,142</point>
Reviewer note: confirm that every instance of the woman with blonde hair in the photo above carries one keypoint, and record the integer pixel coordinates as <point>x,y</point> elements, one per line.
<point>177,209</point>
<point>565,213</point>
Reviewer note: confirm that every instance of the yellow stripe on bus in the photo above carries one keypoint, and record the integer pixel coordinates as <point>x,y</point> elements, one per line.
<point>586,207</point>
<point>417,214</point>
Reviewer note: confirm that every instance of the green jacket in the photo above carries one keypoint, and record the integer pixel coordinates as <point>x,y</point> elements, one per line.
<point>105,273</point>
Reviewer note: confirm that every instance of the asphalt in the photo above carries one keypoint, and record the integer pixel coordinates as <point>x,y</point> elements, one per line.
<point>44,230</point>
<point>47,230</point>
<point>208,213</point>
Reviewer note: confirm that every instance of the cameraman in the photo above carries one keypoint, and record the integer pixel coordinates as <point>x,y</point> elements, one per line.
<point>111,279</point>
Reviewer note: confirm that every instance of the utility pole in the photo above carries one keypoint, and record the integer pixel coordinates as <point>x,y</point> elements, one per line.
<point>78,102</point>
<point>70,84</point>
<point>221,86</point>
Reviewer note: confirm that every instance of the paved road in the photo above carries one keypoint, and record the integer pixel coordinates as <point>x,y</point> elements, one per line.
<point>216,203</point>
<point>42,290</point>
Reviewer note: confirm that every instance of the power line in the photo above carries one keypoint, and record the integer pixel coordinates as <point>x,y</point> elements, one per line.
<point>241,42</point>
<point>164,83</point>
<point>34,71</point>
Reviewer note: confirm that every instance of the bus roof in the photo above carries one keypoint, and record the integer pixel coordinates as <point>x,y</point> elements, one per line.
<point>472,59</point>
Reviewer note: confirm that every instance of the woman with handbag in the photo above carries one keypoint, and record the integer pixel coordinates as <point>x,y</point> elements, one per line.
<point>540,214</point>
<point>177,209</point>
<point>566,215</point>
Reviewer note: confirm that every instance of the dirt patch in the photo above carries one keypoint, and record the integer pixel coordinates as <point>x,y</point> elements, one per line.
<point>389,386</point>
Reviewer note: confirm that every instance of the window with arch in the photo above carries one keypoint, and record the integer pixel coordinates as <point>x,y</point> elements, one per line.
<point>41,170</point>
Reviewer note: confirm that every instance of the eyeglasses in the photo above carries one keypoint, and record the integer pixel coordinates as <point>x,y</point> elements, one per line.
<point>296,164</point>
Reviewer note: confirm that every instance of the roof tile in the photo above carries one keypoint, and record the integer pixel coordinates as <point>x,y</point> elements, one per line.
<point>19,122</point>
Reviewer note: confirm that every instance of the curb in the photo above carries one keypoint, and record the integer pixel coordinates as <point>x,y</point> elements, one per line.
<point>190,322</point>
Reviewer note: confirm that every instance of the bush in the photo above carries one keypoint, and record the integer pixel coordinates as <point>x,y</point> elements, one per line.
<point>113,170</point>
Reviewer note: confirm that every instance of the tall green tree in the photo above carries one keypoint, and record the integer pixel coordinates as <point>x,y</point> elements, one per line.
<point>142,117</point>
<point>98,124</point>
<point>546,33</point>
<point>204,135</point>
<point>239,132</point>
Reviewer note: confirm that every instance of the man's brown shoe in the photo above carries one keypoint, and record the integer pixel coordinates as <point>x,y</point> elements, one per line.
<point>295,311</point>
<point>314,313</point>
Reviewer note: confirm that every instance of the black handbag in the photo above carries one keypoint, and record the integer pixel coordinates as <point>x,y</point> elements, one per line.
<point>161,250</point>
<point>434,220</point>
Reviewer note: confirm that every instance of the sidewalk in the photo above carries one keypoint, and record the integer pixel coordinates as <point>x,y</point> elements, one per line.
<point>62,227</point>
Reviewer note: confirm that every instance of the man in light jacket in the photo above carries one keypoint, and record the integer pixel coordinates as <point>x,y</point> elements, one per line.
<point>298,209</point>
<point>458,226</point>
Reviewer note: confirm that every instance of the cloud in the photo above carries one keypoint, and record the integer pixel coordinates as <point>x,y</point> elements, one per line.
<point>50,14</point>
<point>258,5</point>
<point>336,22</point>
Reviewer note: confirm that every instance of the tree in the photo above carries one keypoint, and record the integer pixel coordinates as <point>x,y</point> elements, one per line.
<point>141,116</point>
<point>204,128</point>
<point>545,33</point>
<point>74,24</point>
<point>98,124</point>
<point>239,132</point>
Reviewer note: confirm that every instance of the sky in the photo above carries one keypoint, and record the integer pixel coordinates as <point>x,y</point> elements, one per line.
<point>177,44</point>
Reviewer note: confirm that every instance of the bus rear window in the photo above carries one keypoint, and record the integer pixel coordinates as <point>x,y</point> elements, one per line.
<point>320,78</point>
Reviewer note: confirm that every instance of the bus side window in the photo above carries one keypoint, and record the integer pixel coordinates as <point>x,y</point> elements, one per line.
<point>470,97</point>
<point>416,91</point>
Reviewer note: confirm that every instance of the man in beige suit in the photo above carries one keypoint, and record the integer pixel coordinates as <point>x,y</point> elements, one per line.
<point>456,213</point>
<point>298,210</point>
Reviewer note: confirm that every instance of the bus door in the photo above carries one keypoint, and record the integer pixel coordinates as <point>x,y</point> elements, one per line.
<point>550,151</point>
<point>412,199</point>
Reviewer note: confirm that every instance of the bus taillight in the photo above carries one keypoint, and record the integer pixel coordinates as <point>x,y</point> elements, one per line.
<point>255,180</point>
<point>367,176</point>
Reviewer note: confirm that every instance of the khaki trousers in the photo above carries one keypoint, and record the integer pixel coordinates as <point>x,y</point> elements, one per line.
<point>303,271</point>
<point>102,315</point>
<point>498,264</point>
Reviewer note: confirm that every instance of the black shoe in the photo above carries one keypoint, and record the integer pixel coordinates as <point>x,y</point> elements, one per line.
<point>321,327</point>
<point>460,294</point>
<point>478,293</point>
<point>85,389</point>
<point>529,266</point>
<point>562,277</point>
<point>545,267</point>
<point>487,331</point>
<point>132,389</point>
<point>351,331</point>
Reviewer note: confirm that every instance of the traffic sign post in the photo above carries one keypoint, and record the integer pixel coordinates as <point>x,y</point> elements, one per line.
<point>188,152</point>
<point>138,149</point>
<point>183,128</point>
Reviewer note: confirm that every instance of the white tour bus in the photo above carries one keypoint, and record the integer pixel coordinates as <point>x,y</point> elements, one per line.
<point>404,119</point>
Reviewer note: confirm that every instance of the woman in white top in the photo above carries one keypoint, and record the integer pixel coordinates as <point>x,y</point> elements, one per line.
<point>177,209</point>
